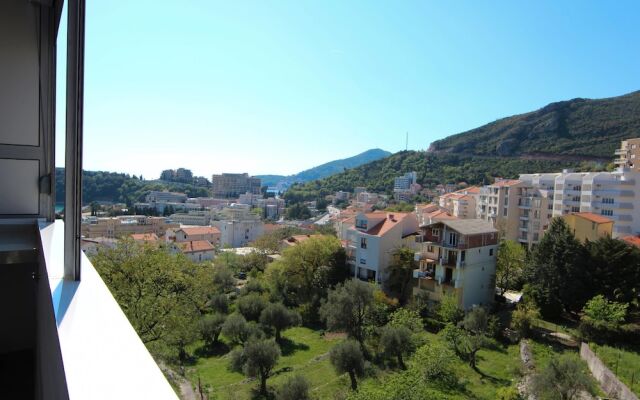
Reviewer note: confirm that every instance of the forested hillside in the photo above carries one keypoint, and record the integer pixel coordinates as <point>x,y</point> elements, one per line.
<point>124,188</point>
<point>582,127</point>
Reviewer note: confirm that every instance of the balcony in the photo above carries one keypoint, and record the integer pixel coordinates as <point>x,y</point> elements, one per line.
<point>620,152</point>
<point>85,348</point>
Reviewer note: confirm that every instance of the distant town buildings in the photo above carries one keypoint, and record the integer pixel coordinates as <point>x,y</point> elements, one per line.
<point>201,218</point>
<point>406,186</point>
<point>233,185</point>
<point>126,225</point>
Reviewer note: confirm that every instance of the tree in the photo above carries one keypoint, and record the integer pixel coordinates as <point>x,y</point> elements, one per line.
<point>601,317</point>
<point>223,279</point>
<point>476,322</point>
<point>555,271</point>
<point>298,211</point>
<point>308,270</point>
<point>347,307</point>
<point>157,291</point>
<point>613,270</point>
<point>219,303</point>
<point>401,271</point>
<point>210,327</point>
<point>448,310</point>
<point>236,329</point>
<point>346,357</point>
<point>565,377</point>
<point>294,388</point>
<point>261,357</point>
<point>410,319</point>
<point>278,318</point>
<point>396,341</point>
<point>95,207</point>
<point>251,306</point>
<point>510,264</point>
<point>436,364</point>
<point>524,317</point>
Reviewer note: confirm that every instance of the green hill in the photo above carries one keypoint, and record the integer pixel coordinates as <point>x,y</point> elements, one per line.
<point>579,133</point>
<point>579,127</point>
<point>326,169</point>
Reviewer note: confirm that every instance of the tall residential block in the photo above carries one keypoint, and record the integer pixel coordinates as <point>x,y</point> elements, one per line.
<point>233,185</point>
<point>629,154</point>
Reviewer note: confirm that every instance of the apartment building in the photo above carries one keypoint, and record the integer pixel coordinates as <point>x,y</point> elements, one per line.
<point>233,185</point>
<point>461,204</point>
<point>371,241</point>
<point>273,207</point>
<point>629,155</point>
<point>155,196</point>
<point>498,203</point>
<point>200,218</point>
<point>457,256</point>
<point>610,194</point>
<point>588,226</point>
<point>250,199</point>
<point>238,233</point>
<point>125,225</point>
<point>63,334</point>
<point>431,213</point>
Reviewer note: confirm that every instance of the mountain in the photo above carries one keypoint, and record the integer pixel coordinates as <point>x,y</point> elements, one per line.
<point>327,169</point>
<point>585,128</point>
<point>580,133</point>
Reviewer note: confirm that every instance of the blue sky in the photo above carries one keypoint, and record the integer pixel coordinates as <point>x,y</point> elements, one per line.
<point>281,86</point>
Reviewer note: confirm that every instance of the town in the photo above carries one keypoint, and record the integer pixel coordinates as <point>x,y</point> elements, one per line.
<point>465,249</point>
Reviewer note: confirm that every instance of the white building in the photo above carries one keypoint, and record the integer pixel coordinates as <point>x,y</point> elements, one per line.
<point>194,233</point>
<point>458,256</point>
<point>250,199</point>
<point>155,196</point>
<point>196,250</point>
<point>238,233</point>
<point>201,218</point>
<point>405,181</point>
<point>371,242</point>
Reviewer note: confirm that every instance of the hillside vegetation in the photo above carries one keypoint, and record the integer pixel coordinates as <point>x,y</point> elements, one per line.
<point>583,127</point>
<point>581,134</point>
<point>327,169</point>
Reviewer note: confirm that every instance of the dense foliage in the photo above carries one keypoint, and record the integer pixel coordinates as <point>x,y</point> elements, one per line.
<point>122,188</point>
<point>562,274</point>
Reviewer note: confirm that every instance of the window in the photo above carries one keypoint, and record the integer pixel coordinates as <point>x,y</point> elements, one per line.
<point>430,249</point>
<point>462,255</point>
<point>505,211</point>
<point>593,226</point>
<point>577,187</point>
<point>607,200</point>
<point>363,261</point>
<point>575,198</point>
<point>490,252</point>
<point>435,232</point>
<point>361,224</point>
<point>606,212</point>
<point>363,243</point>
<point>453,239</point>
<point>575,209</point>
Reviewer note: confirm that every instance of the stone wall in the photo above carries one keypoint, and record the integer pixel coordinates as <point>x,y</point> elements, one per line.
<point>607,379</point>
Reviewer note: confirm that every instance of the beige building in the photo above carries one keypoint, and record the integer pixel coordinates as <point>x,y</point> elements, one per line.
<point>233,185</point>
<point>629,154</point>
<point>498,204</point>
<point>461,204</point>
<point>125,225</point>
<point>588,226</point>
<point>210,234</point>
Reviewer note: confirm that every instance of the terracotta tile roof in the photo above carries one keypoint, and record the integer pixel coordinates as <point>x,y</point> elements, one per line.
<point>598,219</point>
<point>147,237</point>
<point>384,226</point>
<point>470,190</point>
<point>194,246</point>
<point>506,182</point>
<point>200,230</point>
<point>632,240</point>
<point>296,239</point>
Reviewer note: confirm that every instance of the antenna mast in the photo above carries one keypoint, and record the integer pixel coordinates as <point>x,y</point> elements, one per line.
<point>406,142</point>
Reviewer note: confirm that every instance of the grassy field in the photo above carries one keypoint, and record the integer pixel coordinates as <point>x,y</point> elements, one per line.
<point>305,352</point>
<point>625,364</point>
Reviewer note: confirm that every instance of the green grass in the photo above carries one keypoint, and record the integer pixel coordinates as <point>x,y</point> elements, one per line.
<point>305,352</point>
<point>625,364</point>
<point>544,351</point>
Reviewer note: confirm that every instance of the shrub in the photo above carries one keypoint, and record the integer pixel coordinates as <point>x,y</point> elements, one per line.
<point>294,388</point>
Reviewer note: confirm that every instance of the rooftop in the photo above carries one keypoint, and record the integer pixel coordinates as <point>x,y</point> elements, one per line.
<point>506,182</point>
<point>391,220</point>
<point>195,245</point>
<point>468,226</point>
<point>632,240</point>
<point>199,230</point>
<point>147,237</point>
<point>598,219</point>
